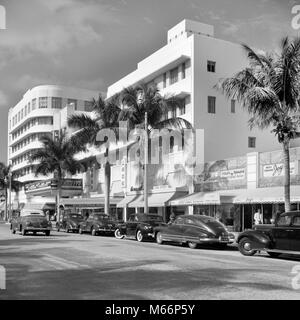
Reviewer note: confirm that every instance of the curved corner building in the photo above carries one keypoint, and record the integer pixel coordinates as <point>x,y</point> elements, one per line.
<point>43,110</point>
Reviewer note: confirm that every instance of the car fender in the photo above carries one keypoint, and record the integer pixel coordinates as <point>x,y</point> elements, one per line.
<point>260,240</point>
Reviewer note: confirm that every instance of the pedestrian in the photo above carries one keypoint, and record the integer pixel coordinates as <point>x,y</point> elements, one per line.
<point>172,218</point>
<point>258,217</point>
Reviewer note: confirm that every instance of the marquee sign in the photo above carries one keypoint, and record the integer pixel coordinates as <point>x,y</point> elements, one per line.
<point>52,185</point>
<point>234,174</point>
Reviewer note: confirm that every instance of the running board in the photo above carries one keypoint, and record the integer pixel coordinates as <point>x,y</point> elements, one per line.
<point>282,251</point>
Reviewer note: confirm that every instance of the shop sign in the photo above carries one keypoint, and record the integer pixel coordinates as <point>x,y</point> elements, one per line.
<point>72,184</point>
<point>234,174</point>
<point>67,184</point>
<point>277,170</point>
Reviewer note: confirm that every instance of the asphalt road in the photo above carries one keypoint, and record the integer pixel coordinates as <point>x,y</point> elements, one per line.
<point>73,266</point>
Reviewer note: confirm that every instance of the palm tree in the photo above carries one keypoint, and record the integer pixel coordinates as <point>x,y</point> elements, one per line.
<point>144,107</point>
<point>7,181</point>
<point>105,116</point>
<point>270,90</point>
<point>56,156</point>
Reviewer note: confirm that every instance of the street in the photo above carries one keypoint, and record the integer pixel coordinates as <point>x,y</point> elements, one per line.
<point>73,266</point>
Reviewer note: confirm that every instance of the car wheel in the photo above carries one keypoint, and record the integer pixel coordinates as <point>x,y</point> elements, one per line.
<point>159,238</point>
<point>246,247</point>
<point>23,232</point>
<point>139,236</point>
<point>47,233</point>
<point>192,245</point>
<point>118,234</point>
<point>94,232</point>
<point>273,254</point>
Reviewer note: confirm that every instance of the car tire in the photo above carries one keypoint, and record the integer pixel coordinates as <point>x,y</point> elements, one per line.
<point>47,233</point>
<point>273,254</point>
<point>139,236</point>
<point>159,238</point>
<point>118,234</point>
<point>192,245</point>
<point>245,247</point>
<point>23,232</point>
<point>94,232</point>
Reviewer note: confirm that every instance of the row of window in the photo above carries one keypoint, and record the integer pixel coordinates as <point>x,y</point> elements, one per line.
<point>24,172</point>
<point>43,103</point>
<point>174,75</point>
<point>22,158</point>
<point>33,122</point>
<point>33,138</point>
<point>211,105</point>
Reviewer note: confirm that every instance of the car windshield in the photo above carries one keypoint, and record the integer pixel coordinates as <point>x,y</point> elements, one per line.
<point>101,217</point>
<point>75,216</point>
<point>151,218</point>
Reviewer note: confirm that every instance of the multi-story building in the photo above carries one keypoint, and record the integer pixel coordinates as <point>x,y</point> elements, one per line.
<point>41,111</point>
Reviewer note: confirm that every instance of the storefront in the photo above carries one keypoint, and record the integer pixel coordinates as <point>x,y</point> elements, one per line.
<point>158,203</point>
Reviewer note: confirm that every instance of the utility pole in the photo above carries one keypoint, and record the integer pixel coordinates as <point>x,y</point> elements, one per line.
<point>146,166</point>
<point>9,177</point>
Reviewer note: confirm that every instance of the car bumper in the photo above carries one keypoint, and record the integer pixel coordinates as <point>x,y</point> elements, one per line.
<point>36,229</point>
<point>216,240</point>
<point>108,230</point>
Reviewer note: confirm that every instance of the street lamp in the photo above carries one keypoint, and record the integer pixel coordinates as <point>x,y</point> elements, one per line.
<point>146,166</point>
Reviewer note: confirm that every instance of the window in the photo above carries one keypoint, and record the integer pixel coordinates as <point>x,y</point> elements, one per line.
<point>25,110</point>
<point>73,101</point>
<point>232,106</point>
<point>211,104</point>
<point>33,104</point>
<point>56,103</point>
<point>164,80</point>
<point>43,102</point>
<point>172,144</point>
<point>183,70</point>
<point>174,75</point>
<point>88,106</point>
<point>19,114</point>
<point>181,108</point>
<point>211,66</point>
<point>284,221</point>
<point>296,221</point>
<point>28,108</point>
<point>251,142</point>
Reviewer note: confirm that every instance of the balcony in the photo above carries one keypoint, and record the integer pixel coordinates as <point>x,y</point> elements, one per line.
<point>33,145</point>
<point>180,89</point>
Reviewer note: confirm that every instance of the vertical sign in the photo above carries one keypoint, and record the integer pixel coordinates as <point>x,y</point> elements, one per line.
<point>123,174</point>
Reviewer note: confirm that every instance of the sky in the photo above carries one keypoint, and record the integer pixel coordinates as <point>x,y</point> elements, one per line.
<point>93,43</point>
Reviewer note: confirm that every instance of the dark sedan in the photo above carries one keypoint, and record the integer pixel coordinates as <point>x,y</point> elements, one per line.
<point>194,230</point>
<point>139,227</point>
<point>31,221</point>
<point>70,222</point>
<point>281,238</point>
<point>99,223</point>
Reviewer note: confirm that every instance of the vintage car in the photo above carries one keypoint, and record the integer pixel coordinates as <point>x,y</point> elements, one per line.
<point>194,230</point>
<point>31,221</point>
<point>98,223</point>
<point>69,222</point>
<point>282,237</point>
<point>139,226</point>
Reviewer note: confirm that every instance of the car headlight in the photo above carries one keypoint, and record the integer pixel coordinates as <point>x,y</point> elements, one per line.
<point>148,227</point>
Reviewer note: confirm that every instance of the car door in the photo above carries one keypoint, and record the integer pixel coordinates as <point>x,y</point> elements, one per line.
<point>131,225</point>
<point>282,233</point>
<point>191,231</point>
<point>174,231</point>
<point>295,234</point>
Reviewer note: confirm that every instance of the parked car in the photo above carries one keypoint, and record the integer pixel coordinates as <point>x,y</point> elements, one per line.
<point>139,227</point>
<point>98,223</point>
<point>30,221</point>
<point>70,222</point>
<point>281,237</point>
<point>194,230</point>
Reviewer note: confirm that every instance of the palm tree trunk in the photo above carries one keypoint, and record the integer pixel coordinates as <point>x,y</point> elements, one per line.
<point>286,159</point>
<point>107,180</point>
<point>58,197</point>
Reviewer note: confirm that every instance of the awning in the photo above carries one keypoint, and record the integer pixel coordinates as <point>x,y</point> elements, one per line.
<point>154,199</point>
<point>89,202</point>
<point>266,195</point>
<point>124,203</point>
<point>198,198</point>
